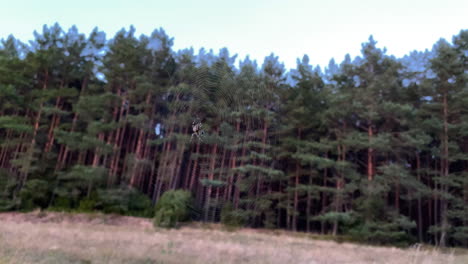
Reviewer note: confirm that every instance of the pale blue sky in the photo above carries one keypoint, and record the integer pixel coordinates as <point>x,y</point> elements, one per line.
<point>289,28</point>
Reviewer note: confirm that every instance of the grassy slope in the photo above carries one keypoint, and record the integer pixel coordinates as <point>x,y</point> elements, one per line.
<point>79,238</point>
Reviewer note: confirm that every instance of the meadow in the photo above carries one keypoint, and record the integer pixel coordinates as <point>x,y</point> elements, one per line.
<point>51,237</point>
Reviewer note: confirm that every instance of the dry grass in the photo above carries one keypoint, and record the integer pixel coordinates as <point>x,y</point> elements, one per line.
<point>62,238</point>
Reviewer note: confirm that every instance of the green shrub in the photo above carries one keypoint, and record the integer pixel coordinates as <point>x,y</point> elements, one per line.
<point>376,225</point>
<point>173,207</point>
<point>61,204</point>
<point>125,201</point>
<point>7,205</point>
<point>232,217</point>
<point>139,205</point>
<point>87,205</point>
<point>8,184</point>
<point>382,233</point>
<point>34,194</point>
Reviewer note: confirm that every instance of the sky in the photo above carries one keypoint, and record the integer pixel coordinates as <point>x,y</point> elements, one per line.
<point>289,28</point>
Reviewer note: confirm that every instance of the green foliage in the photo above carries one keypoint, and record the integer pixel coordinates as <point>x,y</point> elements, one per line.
<point>355,148</point>
<point>8,184</point>
<point>345,218</point>
<point>214,183</point>
<point>35,193</point>
<point>78,182</point>
<point>7,205</point>
<point>394,232</point>
<point>377,224</point>
<point>61,204</point>
<point>172,208</point>
<point>140,205</point>
<point>88,204</point>
<point>231,217</point>
<point>124,200</point>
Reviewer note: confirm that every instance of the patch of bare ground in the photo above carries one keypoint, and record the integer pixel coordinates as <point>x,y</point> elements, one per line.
<point>45,237</point>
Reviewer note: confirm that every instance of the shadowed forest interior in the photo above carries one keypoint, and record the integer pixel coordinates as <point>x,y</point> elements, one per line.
<point>374,148</point>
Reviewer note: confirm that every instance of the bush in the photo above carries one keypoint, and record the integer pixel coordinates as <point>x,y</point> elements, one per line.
<point>7,205</point>
<point>376,225</point>
<point>125,201</point>
<point>140,205</point>
<point>8,184</point>
<point>232,217</point>
<point>173,207</point>
<point>87,205</point>
<point>35,194</point>
<point>61,204</point>
<point>381,233</point>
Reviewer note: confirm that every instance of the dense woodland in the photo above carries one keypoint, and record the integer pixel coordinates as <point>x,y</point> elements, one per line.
<point>374,147</point>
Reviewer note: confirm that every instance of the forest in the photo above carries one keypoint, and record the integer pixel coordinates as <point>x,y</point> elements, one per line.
<point>373,148</point>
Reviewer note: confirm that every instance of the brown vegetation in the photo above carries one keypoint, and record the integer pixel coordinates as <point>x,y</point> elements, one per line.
<point>45,237</point>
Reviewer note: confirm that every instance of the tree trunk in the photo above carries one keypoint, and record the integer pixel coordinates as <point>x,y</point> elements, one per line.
<point>36,129</point>
<point>296,198</point>
<point>239,175</point>
<point>195,166</point>
<point>54,124</point>
<point>435,211</point>
<point>324,197</point>
<point>188,169</point>
<point>308,203</point>
<point>335,222</point>
<point>62,159</point>
<point>4,152</point>
<point>178,165</point>
<point>420,223</point>
<point>220,177</point>
<point>232,159</point>
<point>445,174</point>
<point>118,142</point>
<point>140,144</point>
<point>138,156</point>
<point>210,178</point>
<point>397,196</point>
<point>370,154</point>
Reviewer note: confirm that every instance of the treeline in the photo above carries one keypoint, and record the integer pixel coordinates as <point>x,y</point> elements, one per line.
<point>374,148</point>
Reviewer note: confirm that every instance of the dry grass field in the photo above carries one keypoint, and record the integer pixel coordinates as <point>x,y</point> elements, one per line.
<point>93,238</point>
